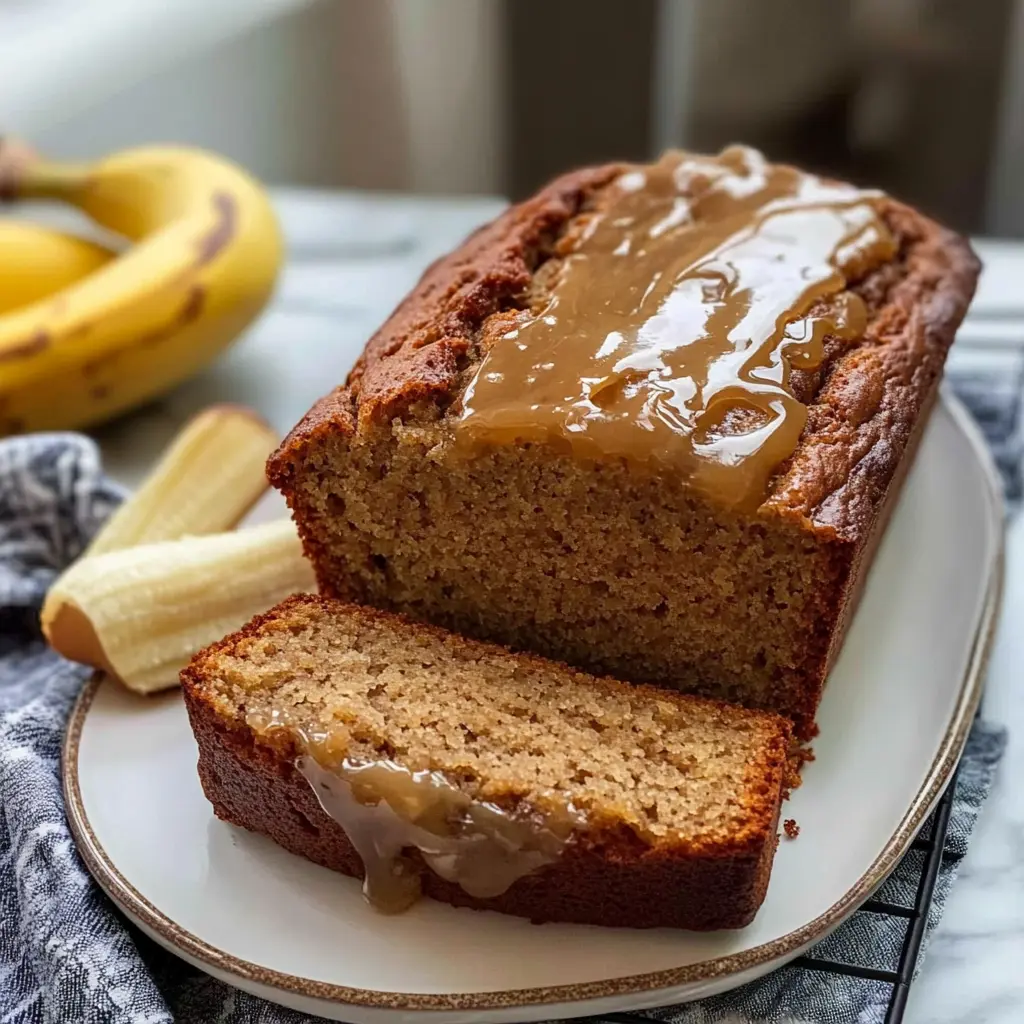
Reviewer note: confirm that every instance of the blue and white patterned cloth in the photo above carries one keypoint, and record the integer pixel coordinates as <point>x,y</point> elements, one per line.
<point>65,952</point>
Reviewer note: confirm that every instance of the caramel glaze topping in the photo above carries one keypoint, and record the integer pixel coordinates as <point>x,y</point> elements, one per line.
<point>672,326</point>
<point>387,810</point>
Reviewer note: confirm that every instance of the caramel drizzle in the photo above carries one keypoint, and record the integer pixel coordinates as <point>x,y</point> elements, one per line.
<point>387,809</point>
<point>674,324</point>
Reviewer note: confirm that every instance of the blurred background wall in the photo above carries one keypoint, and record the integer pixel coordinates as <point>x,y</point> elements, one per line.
<point>922,97</point>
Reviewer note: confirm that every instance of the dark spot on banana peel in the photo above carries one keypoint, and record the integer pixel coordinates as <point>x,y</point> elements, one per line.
<point>226,209</point>
<point>93,366</point>
<point>194,304</point>
<point>99,391</point>
<point>79,330</point>
<point>153,337</point>
<point>12,425</point>
<point>23,349</point>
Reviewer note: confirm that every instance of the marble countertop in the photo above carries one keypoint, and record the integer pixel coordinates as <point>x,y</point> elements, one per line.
<point>352,257</point>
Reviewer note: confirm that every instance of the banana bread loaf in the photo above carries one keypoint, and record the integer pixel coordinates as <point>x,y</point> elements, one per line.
<point>411,757</point>
<point>650,422</point>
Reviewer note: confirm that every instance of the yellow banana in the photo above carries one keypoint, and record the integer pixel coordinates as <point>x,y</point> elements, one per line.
<point>206,253</point>
<point>37,261</point>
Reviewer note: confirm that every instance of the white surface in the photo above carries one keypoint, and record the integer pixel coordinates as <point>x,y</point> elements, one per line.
<point>57,57</point>
<point>392,94</point>
<point>973,972</point>
<point>449,59</point>
<point>887,707</point>
<point>1001,289</point>
<point>352,258</point>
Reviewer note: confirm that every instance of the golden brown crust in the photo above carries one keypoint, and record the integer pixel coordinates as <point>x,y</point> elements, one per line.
<point>861,421</point>
<point>417,353</point>
<point>607,876</point>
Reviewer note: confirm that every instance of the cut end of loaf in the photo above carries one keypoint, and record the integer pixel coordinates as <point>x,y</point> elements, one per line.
<point>509,729</point>
<point>655,809</point>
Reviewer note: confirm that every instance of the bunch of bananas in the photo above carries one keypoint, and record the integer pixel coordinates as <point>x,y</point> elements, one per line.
<point>87,332</point>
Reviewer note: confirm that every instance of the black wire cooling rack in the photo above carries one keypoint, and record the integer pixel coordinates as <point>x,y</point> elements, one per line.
<point>932,843</point>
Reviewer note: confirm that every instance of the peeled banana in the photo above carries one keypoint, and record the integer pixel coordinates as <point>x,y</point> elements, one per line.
<point>210,476</point>
<point>140,613</point>
<point>205,255</point>
<point>37,261</point>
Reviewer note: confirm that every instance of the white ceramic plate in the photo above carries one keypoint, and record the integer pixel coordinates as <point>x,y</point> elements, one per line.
<point>893,722</point>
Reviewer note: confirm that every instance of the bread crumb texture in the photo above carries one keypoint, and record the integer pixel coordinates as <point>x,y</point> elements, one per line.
<point>690,774</point>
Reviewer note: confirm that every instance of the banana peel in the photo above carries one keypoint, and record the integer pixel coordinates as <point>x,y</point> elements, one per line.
<point>140,613</point>
<point>166,575</point>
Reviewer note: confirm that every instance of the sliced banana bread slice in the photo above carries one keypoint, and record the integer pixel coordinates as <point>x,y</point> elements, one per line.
<point>423,761</point>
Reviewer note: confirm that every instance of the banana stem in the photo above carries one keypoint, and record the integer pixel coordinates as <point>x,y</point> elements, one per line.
<point>25,175</point>
<point>15,156</point>
<point>45,180</point>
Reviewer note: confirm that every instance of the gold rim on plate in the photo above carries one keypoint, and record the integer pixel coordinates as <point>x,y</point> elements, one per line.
<point>774,953</point>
